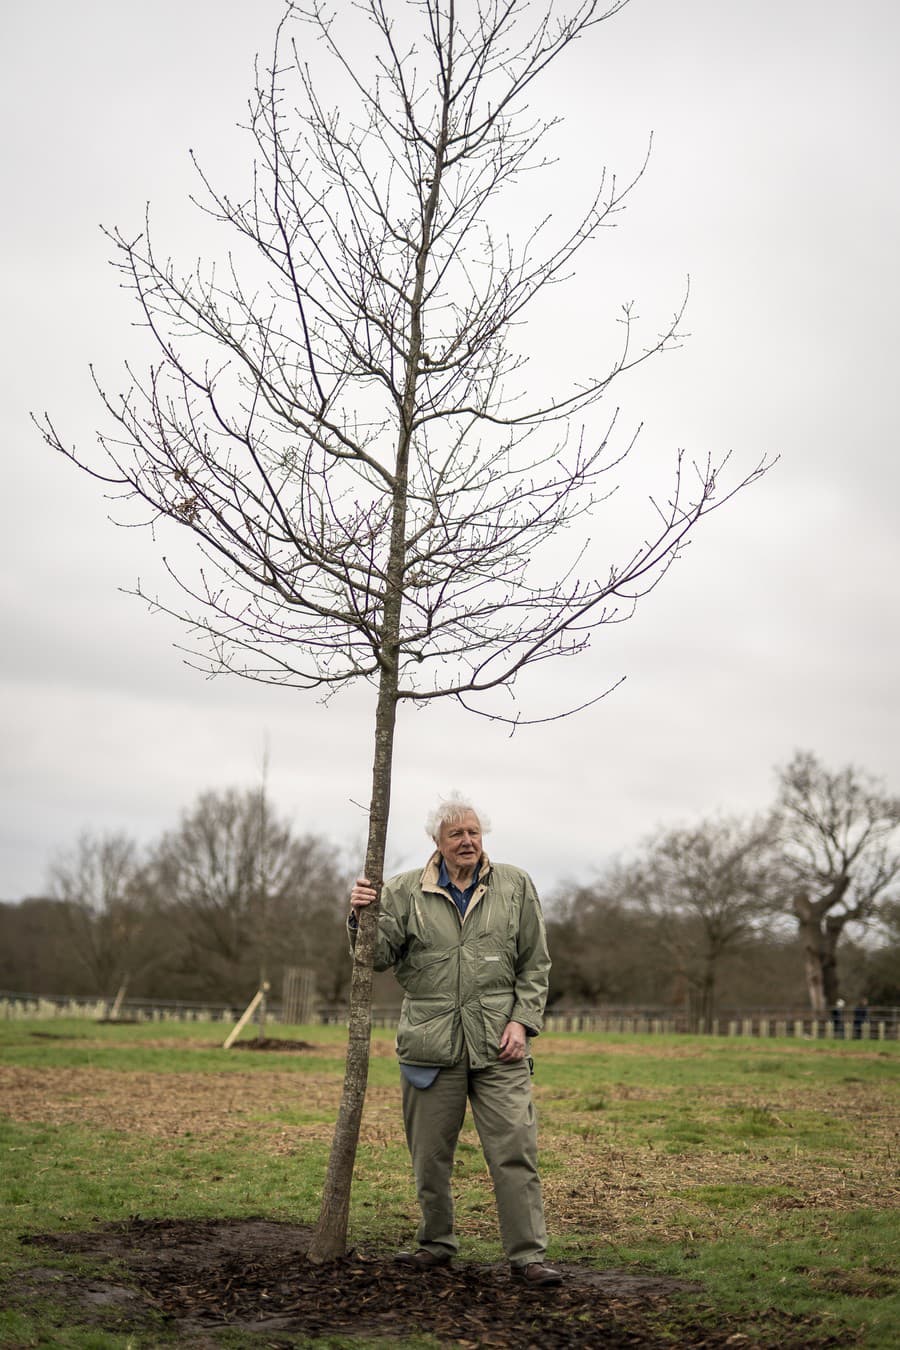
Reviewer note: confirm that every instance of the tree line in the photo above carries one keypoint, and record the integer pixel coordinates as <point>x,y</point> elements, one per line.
<point>227,898</point>
<point>795,907</point>
<point>790,908</point>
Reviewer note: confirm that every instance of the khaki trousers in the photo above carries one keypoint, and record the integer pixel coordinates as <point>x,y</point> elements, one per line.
<point>504,1115</point>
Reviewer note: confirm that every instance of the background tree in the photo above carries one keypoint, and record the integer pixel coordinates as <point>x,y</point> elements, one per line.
<point>709,887</point>
<point>229,891</point>
<point>36,955</point>
<point>610,949</point>
<point>339,415</point>
<point>603,945</point>
<point>879,978</point>
<point>243,895</point>
<point>100,885</point>
<point>841,848</point>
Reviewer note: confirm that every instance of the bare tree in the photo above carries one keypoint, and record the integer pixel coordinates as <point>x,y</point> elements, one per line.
<point>603,943</point>
<point>37,952</point>
<point>242,892</point>
<point>610,947</point>
<point>99,882</point>
<point>340,418</point>
<point>709,887</point>
<point>881,972</point>
<point>840,837</point>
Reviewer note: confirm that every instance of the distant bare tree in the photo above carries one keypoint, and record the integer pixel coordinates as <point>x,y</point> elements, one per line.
<point>603,944</point>
<point>709,887</point>
<point>244,895</point>
<point>339,416</point>
<point>100,883</point>
<point>840,837</point>
<point>881,976</point>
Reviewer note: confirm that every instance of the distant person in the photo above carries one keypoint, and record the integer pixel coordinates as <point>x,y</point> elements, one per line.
<point>465,938</point>
<point>860,1018</point>
<point>837,1018</point>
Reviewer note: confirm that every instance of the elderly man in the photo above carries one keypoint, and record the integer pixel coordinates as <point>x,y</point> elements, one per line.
<point>466,941</point>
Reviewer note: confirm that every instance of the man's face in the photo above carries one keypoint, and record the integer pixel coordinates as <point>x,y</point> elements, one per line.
<point>460,842</point>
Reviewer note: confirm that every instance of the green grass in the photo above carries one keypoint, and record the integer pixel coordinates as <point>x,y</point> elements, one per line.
<point>762,1171</point>
<point>157,1047</point>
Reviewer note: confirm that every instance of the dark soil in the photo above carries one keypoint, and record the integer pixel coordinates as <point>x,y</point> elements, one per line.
<point>52,1036</point>
<point>272,1043</point>
<point>252,1277</point>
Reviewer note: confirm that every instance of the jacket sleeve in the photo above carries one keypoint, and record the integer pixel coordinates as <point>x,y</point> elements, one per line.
<point>532,963</point>
<point>390,936</point>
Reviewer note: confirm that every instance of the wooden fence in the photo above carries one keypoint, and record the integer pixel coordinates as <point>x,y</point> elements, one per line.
<point>881,1024</point>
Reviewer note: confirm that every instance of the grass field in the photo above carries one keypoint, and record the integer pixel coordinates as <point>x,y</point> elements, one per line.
<point>761,1173</point>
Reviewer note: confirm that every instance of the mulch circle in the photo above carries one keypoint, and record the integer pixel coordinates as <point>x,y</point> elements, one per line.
<point>253,1275</point>
<point>272,1043</point>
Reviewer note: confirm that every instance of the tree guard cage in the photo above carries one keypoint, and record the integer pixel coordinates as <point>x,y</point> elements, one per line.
<point>298,996</point>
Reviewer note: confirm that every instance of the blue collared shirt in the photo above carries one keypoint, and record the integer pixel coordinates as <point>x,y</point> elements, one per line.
<point>461,898</point>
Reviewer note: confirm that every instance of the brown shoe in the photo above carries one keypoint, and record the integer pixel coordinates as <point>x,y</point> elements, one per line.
<point>422,1259</point>
<point>536,1274</point>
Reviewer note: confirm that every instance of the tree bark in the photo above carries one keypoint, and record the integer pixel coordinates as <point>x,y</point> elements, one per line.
<point>329,1239</point>
<point>832,929</point>
<point>811,942</point>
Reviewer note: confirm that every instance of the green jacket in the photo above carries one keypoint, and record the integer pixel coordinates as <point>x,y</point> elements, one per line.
<point>463,979</point>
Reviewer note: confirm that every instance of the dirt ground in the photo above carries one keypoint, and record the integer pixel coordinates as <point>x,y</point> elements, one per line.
<point>252,1276</point>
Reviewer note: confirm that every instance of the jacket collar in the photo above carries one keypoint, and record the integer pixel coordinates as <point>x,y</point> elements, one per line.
<point>429,878</point>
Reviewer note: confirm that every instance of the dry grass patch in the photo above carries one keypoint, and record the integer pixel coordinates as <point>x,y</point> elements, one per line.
<point>203,1105</point>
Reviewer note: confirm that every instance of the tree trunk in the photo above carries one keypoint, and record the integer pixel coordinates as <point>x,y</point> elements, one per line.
<point>329,1241</point>
<point>811,940</point>
<point>833,927</point>
<point>708,997</point>
<point>262,1010</point>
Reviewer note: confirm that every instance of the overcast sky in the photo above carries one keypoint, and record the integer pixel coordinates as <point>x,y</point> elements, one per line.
<point>773,182</point>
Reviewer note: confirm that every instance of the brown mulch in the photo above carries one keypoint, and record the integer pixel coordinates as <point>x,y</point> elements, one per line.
<point>252,1277</point>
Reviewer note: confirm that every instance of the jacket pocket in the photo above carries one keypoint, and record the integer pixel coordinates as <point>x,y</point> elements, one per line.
<point>495,1011</point>
<point>428,1032</point>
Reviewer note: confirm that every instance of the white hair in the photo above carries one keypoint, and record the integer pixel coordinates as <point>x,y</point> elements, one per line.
<point>448,811</point>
